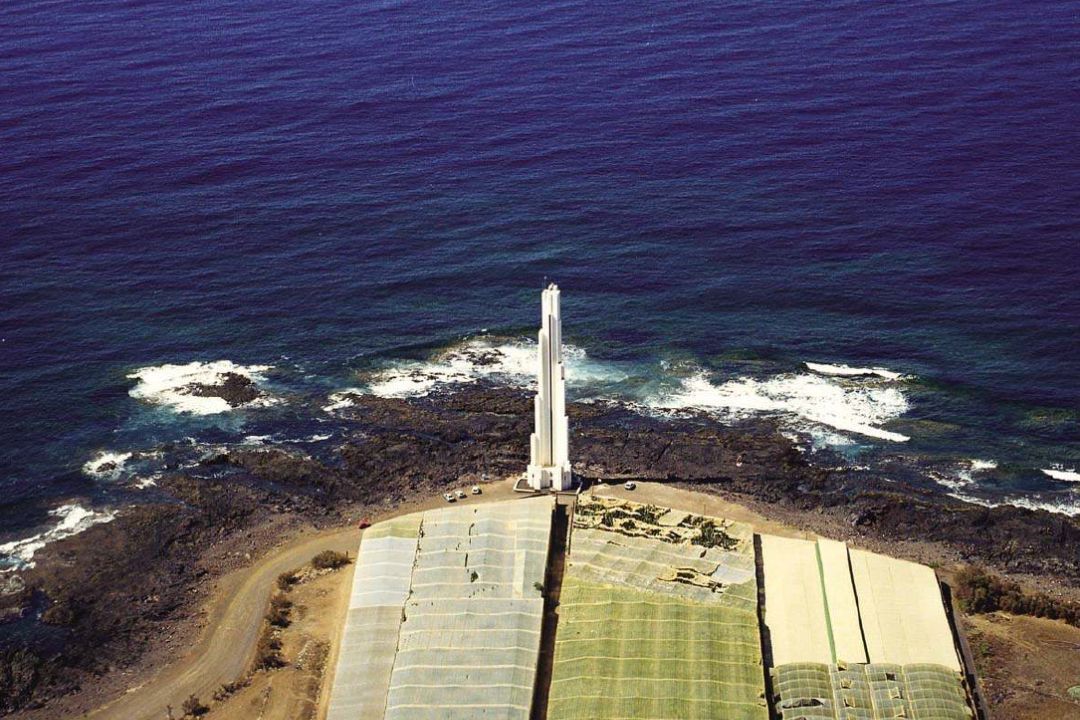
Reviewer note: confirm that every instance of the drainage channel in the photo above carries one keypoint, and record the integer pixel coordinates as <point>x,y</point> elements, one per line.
<point>553,577</point>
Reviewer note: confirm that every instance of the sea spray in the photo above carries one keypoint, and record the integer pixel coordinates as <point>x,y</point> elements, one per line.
<point>509,362</point>
<point>174,386</point>
<point>843,405</point>
<point>72,519</point>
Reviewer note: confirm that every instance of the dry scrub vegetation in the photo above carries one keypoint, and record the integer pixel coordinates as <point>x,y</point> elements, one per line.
<point>288,665</point>
<point>980,592</point>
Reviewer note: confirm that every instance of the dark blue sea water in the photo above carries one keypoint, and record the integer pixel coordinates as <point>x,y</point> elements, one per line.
<point>724,191</point>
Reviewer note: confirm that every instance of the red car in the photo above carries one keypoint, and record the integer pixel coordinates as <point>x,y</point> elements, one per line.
<point>365,523</point>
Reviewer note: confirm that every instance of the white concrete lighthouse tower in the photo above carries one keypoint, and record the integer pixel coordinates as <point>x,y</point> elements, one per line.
<point>549,466</point>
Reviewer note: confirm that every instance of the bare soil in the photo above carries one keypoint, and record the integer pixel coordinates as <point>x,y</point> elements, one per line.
<point>295,691</point>
<point>1026,665</point>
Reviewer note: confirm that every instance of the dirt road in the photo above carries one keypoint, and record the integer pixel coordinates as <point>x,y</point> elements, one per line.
<point>234,618</point>
<point>224,651</point>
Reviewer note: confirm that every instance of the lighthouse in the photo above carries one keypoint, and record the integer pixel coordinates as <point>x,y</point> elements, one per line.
<point>549,466</point>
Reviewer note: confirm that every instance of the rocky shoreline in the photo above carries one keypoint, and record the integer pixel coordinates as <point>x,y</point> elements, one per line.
<point>127,594</point>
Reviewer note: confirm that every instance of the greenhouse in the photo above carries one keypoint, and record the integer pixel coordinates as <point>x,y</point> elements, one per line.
<point>369,643</point>
<point>444,616</point>
<point>827,604</point>
<point>657,618</point>
<point>880,691</point>
<point>469,642</point>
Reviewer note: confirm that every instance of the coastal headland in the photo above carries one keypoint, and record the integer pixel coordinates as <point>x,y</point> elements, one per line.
<point>142,610</point>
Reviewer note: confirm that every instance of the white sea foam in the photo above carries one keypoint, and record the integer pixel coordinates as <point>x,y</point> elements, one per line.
<point>1065,475</point>
<point>508,362</point>
<point>106,465</point>
<point>342,399</point>
<point>72,519</point>
<point>1063,507</point>
<point>953,482</point>
<point>848,371</point>
<point>972,499</point>
<point>964,476</point>
<point>1070,508</point>
<point>963,483</point>
<point>830,438</point>
<point>170,385</point>
<point>843,406</point>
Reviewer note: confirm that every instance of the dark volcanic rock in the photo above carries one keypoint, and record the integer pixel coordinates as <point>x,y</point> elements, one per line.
<point>1012,539</point>
<point>234,388</point>
<point>425,445</point>
<point>111,588</point>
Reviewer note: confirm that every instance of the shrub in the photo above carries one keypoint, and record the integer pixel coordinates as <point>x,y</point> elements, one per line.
<point>278,614</point>
<point>980,592</point>
<point>649,514</point>
<point>268,651</point>
<point>286,580</point>
<point>330,560</point>
<point>228,689</point>
<point>193,707</point>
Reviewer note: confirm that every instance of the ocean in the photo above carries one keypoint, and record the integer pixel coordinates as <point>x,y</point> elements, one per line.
<point>362,195</point>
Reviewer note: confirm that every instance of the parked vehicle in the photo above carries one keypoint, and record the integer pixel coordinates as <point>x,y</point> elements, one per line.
<point>365,523</point>
<point>449,497</point>
<point>475,489</point>
<point>630,485</point>
<point>461,494</point>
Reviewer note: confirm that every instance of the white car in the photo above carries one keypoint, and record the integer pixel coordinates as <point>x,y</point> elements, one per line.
<point>461,494</point>
<point>449,497</point>
<point>630,485</point>
<point>475,489</point>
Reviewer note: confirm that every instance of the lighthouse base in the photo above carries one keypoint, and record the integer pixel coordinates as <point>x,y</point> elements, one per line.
<point>550,477</point>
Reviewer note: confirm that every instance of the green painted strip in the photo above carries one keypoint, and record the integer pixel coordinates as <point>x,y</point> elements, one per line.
<point>825,600</point>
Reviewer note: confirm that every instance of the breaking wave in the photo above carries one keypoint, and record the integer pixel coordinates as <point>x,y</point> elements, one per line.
<point>964,476</point>
<point>847,371</point>
<point>72,519</point>
<point>852,400</point>
<point>173,385</point>
<point>106,465</point>
<point>507,362</point>
<point>1070,508</point>
<point>842,405</point>
<point>342,399</point>
<point>1060,473</point>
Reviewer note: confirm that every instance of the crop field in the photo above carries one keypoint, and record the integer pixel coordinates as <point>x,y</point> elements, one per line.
<point>657,618</point>
<point>445,615</point>
<point>879,691</point>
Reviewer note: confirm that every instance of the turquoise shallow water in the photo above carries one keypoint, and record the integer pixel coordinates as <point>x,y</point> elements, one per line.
<point>723,192</point>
